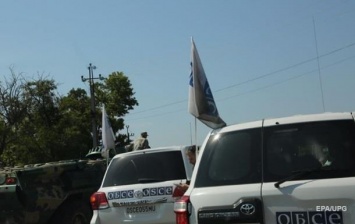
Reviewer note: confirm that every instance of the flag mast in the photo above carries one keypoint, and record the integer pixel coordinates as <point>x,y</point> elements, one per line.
<point>201,102</point>
<point>319,74</point>
<point>108,137</point>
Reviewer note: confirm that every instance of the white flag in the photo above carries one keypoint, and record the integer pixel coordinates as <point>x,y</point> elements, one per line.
<point>201,102</point>
<point>108,138</point>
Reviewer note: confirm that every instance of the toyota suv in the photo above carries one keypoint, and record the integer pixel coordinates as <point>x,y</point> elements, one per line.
<point>140,186</point>
<point>292,170</point>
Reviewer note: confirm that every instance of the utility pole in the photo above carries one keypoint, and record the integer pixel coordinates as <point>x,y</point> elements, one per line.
<point>128,134</point>
<point>92,97</point>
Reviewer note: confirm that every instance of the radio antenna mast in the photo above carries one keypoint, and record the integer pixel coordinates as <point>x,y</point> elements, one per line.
<point>319,74</point>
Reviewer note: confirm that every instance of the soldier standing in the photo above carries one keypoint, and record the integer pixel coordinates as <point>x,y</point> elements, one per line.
<point>142,142</point>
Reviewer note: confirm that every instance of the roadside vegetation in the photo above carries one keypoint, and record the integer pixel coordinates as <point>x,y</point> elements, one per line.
<point>38,125</point>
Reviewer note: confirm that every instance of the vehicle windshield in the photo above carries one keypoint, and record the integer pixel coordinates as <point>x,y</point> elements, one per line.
<point>145,168</point>
<point>231,158</point>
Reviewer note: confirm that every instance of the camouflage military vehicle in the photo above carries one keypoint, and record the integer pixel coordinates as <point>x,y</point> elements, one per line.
<point>56,192</point>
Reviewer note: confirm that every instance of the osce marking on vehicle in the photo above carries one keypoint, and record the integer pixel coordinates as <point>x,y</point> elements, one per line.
<point>120,194</point>
<point>310,217</point>
<point>157,191</point>
<point>141,209</point>
<point>146,192</point>
<point>138,194</point>
<point>129,203</point>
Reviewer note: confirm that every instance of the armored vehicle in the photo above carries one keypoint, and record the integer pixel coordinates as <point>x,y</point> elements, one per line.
<point>56,192</point>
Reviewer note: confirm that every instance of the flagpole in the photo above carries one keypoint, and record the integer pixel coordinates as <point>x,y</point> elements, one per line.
<point>319,73</point>
<point>190,134</point>
<point>196,136</point>
<point>107,155</point>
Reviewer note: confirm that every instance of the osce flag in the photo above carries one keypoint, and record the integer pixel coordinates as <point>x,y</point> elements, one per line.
<point>108,138</point>
<point>201,101</point>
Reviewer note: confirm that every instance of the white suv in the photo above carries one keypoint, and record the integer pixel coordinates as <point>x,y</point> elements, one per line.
<point>140,186</point>
<point>293,170</point>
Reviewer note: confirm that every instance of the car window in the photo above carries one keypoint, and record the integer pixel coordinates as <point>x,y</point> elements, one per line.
<point>145,168</point>
<point>328,146</point>
<point>231,158</point>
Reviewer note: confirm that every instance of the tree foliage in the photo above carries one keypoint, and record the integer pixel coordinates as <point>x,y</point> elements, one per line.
<point>116,93</point>
<point>38,125</point>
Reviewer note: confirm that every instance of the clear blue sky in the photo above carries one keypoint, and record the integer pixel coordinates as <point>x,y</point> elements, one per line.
<point>260,57</point>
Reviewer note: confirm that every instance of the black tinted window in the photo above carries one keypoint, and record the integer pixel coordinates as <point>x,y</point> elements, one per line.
<point>328,146</point>
<point>145,168</point>
<point>231,158</point>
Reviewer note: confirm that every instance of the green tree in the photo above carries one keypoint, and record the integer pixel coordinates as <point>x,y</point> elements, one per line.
<point>38,125</point>
<point>117,93</point>
<point>41,139</point>
<point>75,122</point>
<point>12,111</point>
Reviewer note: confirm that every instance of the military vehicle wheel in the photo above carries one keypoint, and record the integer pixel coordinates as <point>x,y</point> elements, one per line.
<point>73,212</point>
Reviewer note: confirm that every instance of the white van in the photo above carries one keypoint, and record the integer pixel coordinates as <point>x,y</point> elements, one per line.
<point>140,186</point>
<point>293,170</point>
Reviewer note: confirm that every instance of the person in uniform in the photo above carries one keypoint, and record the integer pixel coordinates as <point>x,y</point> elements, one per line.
<point>142,142</point>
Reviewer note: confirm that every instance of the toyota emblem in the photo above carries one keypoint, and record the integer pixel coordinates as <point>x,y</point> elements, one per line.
<point>247,209</point>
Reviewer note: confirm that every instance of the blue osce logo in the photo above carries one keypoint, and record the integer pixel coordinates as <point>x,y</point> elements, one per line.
<point>120,194</point>
<point>157,191</point>
<point>147,192</point>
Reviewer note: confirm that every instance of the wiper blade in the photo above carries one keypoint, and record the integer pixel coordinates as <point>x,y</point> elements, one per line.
<point>297,174</point>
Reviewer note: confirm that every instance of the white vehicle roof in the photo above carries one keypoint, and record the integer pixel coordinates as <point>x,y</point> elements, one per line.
<point>156,149</point>
<point>288,120</point>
